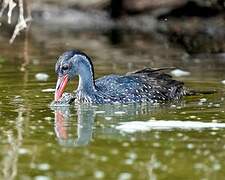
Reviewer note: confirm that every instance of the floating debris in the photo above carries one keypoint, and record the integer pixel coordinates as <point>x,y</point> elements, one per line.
<point>223,82</point>
<point>41,76</point>
<point>136,126</point>
<point>179,73</point>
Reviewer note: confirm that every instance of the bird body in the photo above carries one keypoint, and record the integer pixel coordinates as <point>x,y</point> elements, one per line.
<point>146,85</point>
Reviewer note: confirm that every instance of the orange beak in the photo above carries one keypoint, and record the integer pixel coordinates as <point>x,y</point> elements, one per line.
<point>60,86</point>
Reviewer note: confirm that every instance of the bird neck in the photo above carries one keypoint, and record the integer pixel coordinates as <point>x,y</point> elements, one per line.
<point>86,79</point>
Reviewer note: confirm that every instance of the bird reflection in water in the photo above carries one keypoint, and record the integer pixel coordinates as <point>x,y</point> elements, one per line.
<point>86,114</point>
<point>85,117</point>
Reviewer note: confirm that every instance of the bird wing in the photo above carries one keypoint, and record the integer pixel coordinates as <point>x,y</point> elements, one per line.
<point>142,84</point>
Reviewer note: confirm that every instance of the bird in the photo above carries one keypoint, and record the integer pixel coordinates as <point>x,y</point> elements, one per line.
<point>145,85</point>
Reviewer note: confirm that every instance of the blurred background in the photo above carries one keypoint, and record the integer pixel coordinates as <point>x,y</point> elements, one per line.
<point>158,32</point>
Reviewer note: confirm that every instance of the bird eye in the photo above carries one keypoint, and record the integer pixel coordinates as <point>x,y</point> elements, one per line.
<point>65,67</point>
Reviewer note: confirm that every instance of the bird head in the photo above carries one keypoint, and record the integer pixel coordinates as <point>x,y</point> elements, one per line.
<point>69,65</point>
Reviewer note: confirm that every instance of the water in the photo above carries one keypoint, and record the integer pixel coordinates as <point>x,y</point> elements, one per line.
<point>84,142</point>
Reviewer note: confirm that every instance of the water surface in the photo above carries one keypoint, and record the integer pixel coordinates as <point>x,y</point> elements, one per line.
<point>83,142</point>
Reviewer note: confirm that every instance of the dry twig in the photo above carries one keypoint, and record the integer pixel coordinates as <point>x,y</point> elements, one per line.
<point>21,21</point>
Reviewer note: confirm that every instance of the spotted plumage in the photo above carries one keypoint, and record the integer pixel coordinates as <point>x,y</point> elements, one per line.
<point>146,85</point>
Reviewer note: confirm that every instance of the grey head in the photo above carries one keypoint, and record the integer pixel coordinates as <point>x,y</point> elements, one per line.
<point>71,64</point>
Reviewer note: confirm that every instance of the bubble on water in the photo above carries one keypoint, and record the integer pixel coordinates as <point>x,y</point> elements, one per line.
<point>213,133</point>
<point>98,174</point>
<point>200,166</point>
<point>11,122</point>
<point>133,139</point>
<point>119,112</point>
<point>179,73</point>
<point>41,76</point>
<point>198,151</point>
<point>49,144</point>
<point>190,146</point>
<point>35,61</point>
<point>99,112</point>
<point>32,165</point>
<point>115,151</point>
<point>108,118</point>
<point>193,117</point>
<point>216,167</point>
<point>179,134</point>
<point>17,96</point>
<point>168,152</point>
<point>129,161</point>
<point>223,82</point>
<point>216,105</point>
<point>48,90</point>
<point>126,144</point>
<point>47,118</point>
<point>104,158</point>
<point>156,136</point>
<point>41,178</point>
<point>156,144</point>
<point>132,155</point>
<point>203,100</point>
<point>33,127</point>
<point>92,156</point>
<point>43,166</point>
<point>212,158</point>
<point>50,133</point>
<point>23,151</point>
<point>124,176</point>
<point>206,152</point>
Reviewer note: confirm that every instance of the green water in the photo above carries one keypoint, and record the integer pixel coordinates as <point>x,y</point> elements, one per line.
<point>82,142</point>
